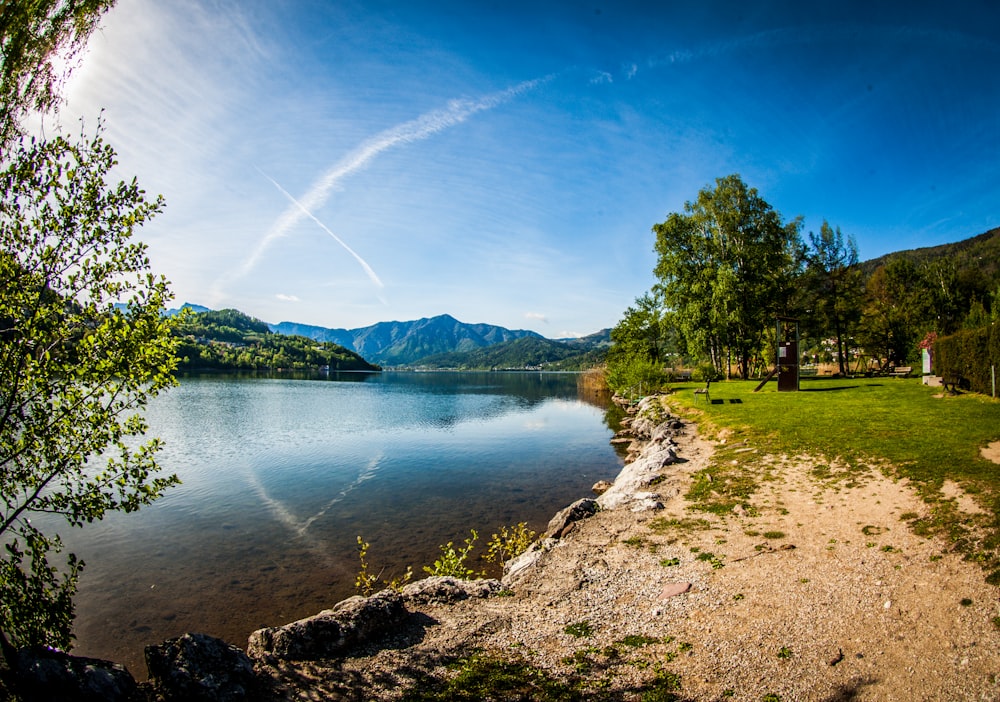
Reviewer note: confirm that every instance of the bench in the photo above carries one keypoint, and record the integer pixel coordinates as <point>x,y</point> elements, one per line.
<point>901,371</point>
<point>952,382</point>
<point>703,391</point>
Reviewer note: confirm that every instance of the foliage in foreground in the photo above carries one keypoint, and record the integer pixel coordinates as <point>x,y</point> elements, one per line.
<point>75,368</point>
<point>504,545</point>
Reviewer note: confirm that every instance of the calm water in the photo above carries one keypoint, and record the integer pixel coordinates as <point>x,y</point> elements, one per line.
<point>281,476</point>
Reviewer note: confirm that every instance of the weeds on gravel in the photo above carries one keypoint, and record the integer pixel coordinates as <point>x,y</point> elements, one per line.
<point>484,676</point>
<point>580,630</point>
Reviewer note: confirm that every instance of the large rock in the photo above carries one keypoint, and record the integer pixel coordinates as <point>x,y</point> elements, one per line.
<point>638,475</point>
<point>332,632</point>
<point>443,589</point>
<point>200,668</point>
<point>54,676</point>
<point>561,524</point>
<point>518,567</point>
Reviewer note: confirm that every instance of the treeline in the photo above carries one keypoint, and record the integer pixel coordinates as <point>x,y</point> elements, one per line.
<point>231,340</point>
<point>524,353</point>
<point>728,266</point>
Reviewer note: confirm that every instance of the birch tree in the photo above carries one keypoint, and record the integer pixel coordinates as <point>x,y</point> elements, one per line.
<point>725,268</point>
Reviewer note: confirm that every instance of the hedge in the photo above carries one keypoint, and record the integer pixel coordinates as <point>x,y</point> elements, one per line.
<point>969,354</point>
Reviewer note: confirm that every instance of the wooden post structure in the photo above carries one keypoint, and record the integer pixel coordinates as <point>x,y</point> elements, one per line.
<point>787,362</point>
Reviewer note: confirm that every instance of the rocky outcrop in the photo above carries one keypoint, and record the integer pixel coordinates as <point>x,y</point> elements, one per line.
<point>332,632</point>
<point>54,676</point>
<point>440,589</point>
<point>200,668</point>
<point>561,524</point>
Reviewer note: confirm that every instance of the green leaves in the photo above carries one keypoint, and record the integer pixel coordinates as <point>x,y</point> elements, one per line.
<point>725,269</point>
<point>83,346</point>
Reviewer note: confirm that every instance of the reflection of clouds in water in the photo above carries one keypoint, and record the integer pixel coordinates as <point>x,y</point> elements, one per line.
<point>300,527</point>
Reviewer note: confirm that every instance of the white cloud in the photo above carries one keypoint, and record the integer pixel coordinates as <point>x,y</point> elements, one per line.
<point>287,298</point>
<point>536,316</point>
<point>423,127</point>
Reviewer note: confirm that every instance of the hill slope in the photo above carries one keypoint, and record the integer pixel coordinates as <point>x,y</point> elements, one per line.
<point>231,340</point>
<point>528,352</point>
<point>978,256</point>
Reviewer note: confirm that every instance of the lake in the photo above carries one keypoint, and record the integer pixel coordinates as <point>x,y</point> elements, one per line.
<point>280,477</point>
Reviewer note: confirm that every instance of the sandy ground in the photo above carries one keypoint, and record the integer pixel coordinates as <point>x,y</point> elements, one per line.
<point>823,594</point>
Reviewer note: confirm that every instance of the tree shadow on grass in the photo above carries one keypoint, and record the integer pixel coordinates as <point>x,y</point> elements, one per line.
<point>837,389</point>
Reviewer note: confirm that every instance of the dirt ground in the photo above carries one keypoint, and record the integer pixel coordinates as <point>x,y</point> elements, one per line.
<point>819,592</point>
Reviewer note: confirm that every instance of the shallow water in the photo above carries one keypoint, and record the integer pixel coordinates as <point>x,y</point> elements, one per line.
<point>280,477</point>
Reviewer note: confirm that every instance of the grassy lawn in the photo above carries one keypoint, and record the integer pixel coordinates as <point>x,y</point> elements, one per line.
<point>922,433</point>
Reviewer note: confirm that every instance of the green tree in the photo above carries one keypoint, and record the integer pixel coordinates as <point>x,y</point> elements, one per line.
<point>832,286</point>
<point>726,267</point>
<point>639,347</point>
<point>898,312</point>
<point>38,40</point>
<point>83,346</point>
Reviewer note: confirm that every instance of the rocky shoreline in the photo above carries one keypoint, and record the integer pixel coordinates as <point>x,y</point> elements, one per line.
<point>818,592</point>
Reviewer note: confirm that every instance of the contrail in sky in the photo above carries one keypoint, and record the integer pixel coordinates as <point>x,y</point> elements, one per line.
<point>424,126</point>
<point>310,215</point>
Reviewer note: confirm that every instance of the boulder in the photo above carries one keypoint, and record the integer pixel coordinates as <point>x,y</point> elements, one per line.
<point>332,632</point>
<point>443,589</point>
<point>517,567</point>
<point>200,667</point>
<point>601,487</point>
<point>561,524</point>
<point>46,674</point>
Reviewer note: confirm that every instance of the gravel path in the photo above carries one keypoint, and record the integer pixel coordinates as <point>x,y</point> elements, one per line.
<point>819,592</point>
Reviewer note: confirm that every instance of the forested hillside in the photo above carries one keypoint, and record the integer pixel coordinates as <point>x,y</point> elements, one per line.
<point>231,340</point>
<point>527,353</point>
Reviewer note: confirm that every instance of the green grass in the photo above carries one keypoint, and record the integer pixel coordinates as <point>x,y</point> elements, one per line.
<point>864,419</point>
<point>855,424</point>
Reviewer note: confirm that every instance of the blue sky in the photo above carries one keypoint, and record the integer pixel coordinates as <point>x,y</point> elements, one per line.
<point>344,163</point>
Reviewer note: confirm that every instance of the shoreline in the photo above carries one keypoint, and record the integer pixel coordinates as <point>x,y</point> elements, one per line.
<point>816,589</point>
<point>821,594</point>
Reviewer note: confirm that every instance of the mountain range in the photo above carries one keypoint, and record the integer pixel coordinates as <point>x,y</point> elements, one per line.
<point>443,342</point>
<point>404,343</point>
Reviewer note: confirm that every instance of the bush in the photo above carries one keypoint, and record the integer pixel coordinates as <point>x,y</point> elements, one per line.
<point>633,376</point>
<point>969,353</point>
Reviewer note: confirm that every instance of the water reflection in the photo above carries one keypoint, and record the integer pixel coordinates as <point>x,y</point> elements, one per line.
<point>280,476</point>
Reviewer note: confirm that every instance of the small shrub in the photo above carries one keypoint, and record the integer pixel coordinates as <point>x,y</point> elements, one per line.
<point>774,534</point>
<point>784,653</point>
<point>509,543</point>
<point>452,561</point>
<point>365,582</point>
